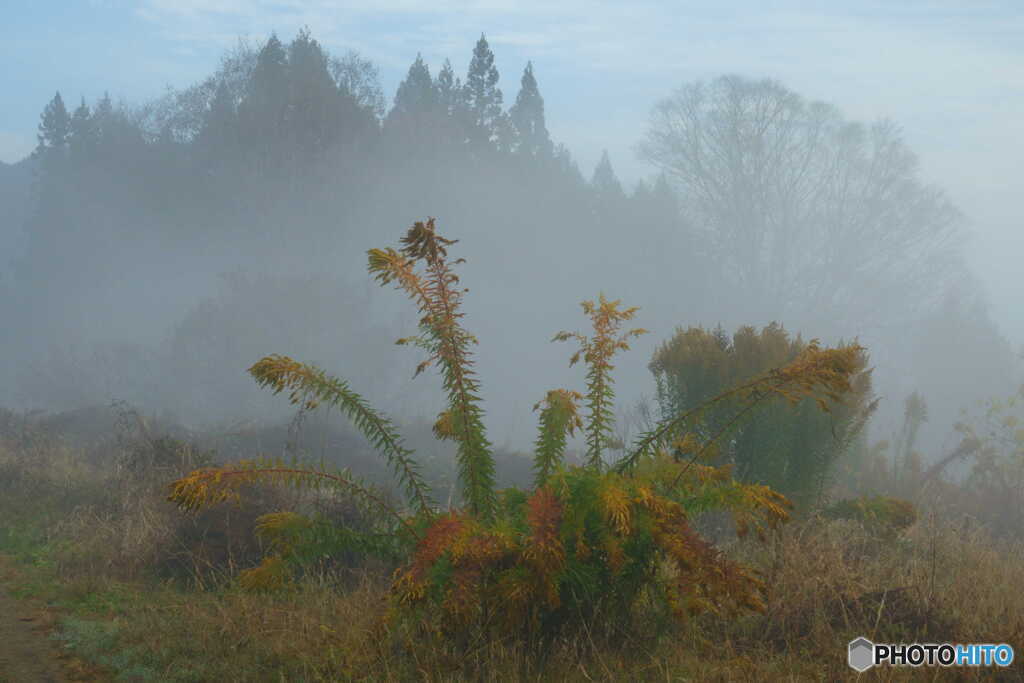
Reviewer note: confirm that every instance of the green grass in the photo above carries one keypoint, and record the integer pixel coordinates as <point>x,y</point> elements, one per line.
<point>117,613</point>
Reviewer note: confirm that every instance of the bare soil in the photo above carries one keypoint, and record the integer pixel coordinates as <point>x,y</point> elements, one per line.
<point>27,653</point>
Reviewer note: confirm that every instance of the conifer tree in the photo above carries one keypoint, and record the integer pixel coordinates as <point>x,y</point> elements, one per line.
<point>416,97</point>
<point>568,167</point>
<point>271,66</point>
<point>483,96</point>
<point>641,194</point>
<point>264,111</point>
<point>448,89</point>
<point>81,132</point>
<point>315,109</point>
<point>118,137</point>
<point>664,198</point>
<point>605,183</point>
<point>527,116</point>
<point>102,116</point>
<point>54,126</point>
<point>453,119</point>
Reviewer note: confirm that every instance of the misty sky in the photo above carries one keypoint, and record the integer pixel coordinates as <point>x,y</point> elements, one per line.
<point>951,73</point>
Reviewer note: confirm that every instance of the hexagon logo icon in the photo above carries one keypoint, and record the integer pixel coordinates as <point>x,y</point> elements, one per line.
<point>861,655</point>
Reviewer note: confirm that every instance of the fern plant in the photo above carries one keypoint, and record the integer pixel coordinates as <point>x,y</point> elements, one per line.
<point>585,537</point>
<point>586,542</point>
<point>597,352</point>
<point>559,419</point>
<point>439,299</point>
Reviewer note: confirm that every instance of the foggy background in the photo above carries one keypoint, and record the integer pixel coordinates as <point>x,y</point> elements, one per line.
<point>221,193</point>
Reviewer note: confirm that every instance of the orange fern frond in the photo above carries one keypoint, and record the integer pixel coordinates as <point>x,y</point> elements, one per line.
<point>411,583</point>
<point>214,485</point>
<point>544,515</point>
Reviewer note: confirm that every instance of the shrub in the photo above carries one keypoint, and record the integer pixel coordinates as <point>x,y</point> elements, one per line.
<point>791,448</point>
<point>882,516</point>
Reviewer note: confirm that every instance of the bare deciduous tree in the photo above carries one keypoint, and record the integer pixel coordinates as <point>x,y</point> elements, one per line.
<point>803,211</point>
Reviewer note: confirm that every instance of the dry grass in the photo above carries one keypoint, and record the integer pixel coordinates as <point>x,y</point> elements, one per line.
<point>112,553</point>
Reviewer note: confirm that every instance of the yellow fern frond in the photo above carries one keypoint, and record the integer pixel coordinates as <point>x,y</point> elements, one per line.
<point>444,428</point>
<point>616,504</point>
<point>559,419</point>
<point>597,352</point>
<point>213,485</point>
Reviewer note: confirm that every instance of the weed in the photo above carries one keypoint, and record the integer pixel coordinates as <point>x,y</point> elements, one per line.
<point>587,540</point>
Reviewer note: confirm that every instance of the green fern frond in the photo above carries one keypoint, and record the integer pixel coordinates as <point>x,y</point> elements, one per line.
<point>559,419</point>
<point>311,385</point>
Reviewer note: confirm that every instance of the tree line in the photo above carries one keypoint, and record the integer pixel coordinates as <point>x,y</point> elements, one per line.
<point>761,205</point>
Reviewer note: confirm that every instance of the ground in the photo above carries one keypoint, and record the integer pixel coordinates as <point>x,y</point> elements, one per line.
<point>27,652</point>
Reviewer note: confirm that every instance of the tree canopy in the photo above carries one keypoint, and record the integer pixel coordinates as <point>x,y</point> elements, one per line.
<point>802,209</point>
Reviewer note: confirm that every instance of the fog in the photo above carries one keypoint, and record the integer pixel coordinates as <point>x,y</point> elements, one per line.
<point>154,247</point>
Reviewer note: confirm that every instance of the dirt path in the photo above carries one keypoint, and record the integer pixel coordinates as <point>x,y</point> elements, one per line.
<point>27,653</point>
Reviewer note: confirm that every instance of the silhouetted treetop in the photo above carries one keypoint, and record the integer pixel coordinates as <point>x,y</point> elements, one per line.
<point>483,96</point>
<point>527,116</point>
<point>54,126</point>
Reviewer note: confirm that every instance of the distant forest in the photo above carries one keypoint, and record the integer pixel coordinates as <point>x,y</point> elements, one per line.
<point>288,162</point>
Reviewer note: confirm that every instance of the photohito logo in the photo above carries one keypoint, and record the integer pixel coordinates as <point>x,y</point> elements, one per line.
<point>863,654</point>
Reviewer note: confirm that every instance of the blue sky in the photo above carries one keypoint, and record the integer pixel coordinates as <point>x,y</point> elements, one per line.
<point>951,73</point>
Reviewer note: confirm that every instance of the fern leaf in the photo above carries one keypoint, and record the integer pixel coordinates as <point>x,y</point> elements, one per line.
<point>559,419</point>
<point>439,299</point>
<point>597,352</point>
<point>210,486</point>
<point>312,385</point>
<point>616,504</point>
